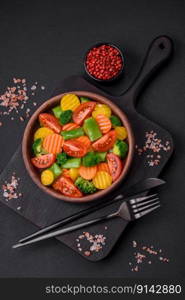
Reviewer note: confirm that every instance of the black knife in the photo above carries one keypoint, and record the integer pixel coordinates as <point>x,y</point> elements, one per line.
<point>137,188</point>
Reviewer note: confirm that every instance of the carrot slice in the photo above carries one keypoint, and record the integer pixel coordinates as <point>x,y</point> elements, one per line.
<point>104,123</point>
<point>103,167</point>
<point>70,126</point>
<point>88,172</point>
<point>65,173</point>
<point>84,140</point>
<point>53,143</point>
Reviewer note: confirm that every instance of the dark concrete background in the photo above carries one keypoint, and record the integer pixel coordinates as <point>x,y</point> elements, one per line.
<point>45,41</point>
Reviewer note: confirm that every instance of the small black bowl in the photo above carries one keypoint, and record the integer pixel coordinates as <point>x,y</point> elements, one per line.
<point>117,76</point>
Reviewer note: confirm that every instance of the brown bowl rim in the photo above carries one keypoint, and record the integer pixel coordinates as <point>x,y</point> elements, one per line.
<point>51,103</point>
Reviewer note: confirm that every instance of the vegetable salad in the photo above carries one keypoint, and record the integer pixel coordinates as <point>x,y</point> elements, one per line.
<point>80,147</point>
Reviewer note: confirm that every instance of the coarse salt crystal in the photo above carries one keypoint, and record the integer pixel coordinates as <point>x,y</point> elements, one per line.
<point>10,189</point>
<point>149,253</point>
<point>33,88</point>
<point>154,144</point>
<point>134,244</point>
<point>96,242</point>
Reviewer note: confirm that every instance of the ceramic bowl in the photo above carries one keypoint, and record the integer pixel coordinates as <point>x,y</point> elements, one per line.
<point>33,125</point>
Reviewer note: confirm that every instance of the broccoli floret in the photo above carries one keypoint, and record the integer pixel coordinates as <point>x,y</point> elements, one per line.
<point>65,116</point>
<point>90,159</point>
<point>120,148</point>
<point>115,121</point>
<point>85,186</point>
<point>61,158</point>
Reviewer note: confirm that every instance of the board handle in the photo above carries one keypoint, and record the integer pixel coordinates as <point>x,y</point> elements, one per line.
<point>158,53</point>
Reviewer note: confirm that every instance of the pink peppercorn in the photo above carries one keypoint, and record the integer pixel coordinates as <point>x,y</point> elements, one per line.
<point>104,62</point>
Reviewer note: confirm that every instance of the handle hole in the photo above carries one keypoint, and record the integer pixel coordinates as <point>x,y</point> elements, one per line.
<point>161,46</point>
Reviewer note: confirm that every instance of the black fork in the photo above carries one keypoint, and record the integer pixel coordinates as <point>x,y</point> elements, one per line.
<point>129,211</point>
<point>138,207</point>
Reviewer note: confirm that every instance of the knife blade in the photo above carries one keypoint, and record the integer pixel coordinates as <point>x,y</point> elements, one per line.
<point>138,188</point>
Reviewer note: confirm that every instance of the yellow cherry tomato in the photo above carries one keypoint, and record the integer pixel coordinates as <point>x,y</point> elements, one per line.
<point>101,109</point>
<point>102,180</point>
<point>47,177</point>
<point>121,132</point>
<point>73,173</point>
<point>69,102</point>
<point>42,132</point>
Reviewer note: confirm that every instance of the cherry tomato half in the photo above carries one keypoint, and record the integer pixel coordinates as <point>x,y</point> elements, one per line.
<point>83,111</point>
<point>43,161</point>
<point>50,121</point>
<point>67,187</point>
<point>115,165</point>
<point>106,142</point>
<point>74,148</point>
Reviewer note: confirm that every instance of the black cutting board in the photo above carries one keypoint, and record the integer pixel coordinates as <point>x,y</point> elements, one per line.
<point>42,210</point>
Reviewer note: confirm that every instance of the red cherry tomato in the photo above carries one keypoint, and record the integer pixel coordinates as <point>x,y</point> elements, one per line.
<point>43,161</point>
<point>67,187</point>
<point>74,148</point>
<point>115,165</point>
<point>50,121</point>
<point>106,142</point>
<point>83,111</point>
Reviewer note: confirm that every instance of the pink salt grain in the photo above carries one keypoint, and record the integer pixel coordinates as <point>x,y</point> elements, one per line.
<point>96,242</point>
<point>145,254</point>
<point>10,189</point>
<point>33,88</point>
<point>16,97</point>
<point>152,146</point>
<point>134,244</point>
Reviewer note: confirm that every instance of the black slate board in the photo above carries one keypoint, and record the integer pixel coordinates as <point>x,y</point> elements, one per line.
<point>42,210</point>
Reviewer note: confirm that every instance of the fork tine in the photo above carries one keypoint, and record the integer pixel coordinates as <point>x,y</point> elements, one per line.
<point>145,212</point>
<point>144,207</point>
<point>139,199</point>
<point>140,204</point>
